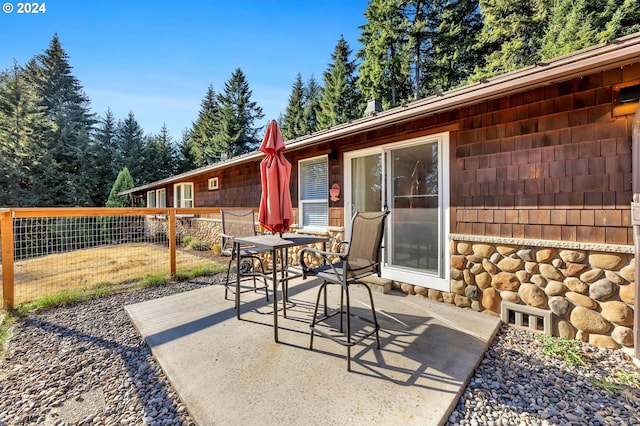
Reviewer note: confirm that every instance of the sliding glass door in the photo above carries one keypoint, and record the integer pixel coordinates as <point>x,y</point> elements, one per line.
<point>407,179</point>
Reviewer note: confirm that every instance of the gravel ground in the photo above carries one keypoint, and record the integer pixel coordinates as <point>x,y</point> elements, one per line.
<point>86,364</point>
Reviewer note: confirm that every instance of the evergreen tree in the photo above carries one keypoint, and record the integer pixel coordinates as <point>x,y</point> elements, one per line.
<point>201,149</point>
<point>452,55</point>
<point>385,72</point>
<point>293,124</point>
<point>130,139</point>
<point>511,36</point>
<point>571,27</point>
<point>236,132</point>
<point>185,160</point>
<point>109,159</point>
<point>341,100</point>
<point>312,94</point>
<point>574,25</point>
<point>123,182</point>
<point>418,38</point>
<point>161,156</point>
<point>69,145</point>
<point>23,131</point>
<point>622,18</point>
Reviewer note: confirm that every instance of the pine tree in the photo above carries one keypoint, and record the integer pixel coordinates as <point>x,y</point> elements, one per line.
<point>418,37</point>
<point>452,55</point>
<point>236,132</point>
<point>204,130</point>
<point>23,131</point>
<point>313,95</point>
<point>623,18</point>
<point>571,27</point>
<point>123,182</point>
<point>341,100</point>
<point>130,139</point>
<point>385,72</point>
<point>512,35</point>
<point>293,124</point>
<point>161,156</point>
<point>109,159</point>
<point>68,147</point>
<point>185,160</point>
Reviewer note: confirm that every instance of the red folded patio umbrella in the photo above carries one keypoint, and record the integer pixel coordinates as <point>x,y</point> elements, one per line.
<point>276,213</point>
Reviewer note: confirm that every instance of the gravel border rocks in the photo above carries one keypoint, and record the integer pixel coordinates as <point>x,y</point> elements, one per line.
<point>86,364</point>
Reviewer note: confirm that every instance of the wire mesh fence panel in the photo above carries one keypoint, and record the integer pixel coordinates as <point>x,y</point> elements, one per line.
<point>74,252</point>
<point>64,253</point>
<point>197,241</point>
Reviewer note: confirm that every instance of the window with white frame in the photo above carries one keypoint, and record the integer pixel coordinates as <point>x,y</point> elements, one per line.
<point>157,198</point>
<point>314,192</point>
<point>161,197</point>
<point>183,195</point>
<point>151,199</point>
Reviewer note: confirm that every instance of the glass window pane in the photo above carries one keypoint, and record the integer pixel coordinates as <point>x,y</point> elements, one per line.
<point>314,192</point>
<point>161,198</point>
<point>315,185</point>
<point>415,224</point>
<point>315,214</point>
<point>151,199</point>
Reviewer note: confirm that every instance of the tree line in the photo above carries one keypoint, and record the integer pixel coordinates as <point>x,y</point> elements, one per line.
<point>55,152</point>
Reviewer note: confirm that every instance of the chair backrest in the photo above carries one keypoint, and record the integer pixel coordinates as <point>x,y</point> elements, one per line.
<point>364,249</point>
<point>238,223</point>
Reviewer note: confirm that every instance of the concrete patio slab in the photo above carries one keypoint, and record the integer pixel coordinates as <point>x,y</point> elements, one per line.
<point>231,372</point>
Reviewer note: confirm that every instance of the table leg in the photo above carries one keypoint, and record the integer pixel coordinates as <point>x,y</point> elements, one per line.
<point>274,258</point>
<point>237,251</point>
<point>284,257</point>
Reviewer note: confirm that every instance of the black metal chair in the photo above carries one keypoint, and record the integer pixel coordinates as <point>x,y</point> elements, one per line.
<point>241,223</point>
<point>360,258</point>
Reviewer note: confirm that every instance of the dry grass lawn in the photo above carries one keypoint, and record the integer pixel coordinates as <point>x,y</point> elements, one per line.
<point>88,268</point>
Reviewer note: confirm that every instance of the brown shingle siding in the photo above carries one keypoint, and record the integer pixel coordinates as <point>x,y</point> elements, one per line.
<point>568,233</point>
<point>585,99</point>
<point>558,217</point>
<point>579,166</point>
<point>579,118</point>
<point>616,236</point>
<point>593,199</point>
<point>631,72</point>
<point>590,234</point>
<point>564,103</point>
<point>618,163</point>
<point>552,232</point>
<point>608,218</point>
<point>551,163</point>
<point>612,76</point>
<point>533,231</point>
<point>589,183</point>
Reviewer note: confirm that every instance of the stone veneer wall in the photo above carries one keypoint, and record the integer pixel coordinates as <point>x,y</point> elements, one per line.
<point>205,229</point>
<point>590,290</point>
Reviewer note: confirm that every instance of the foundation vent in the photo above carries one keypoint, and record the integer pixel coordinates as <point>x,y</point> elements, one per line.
<point>535,319</point>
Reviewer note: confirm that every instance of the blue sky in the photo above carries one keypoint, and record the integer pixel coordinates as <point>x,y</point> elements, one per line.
<point>157,58</point>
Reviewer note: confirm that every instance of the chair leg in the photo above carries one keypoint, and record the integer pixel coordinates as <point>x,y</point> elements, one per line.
<point>373,314</point>
<point>315,311</point>
<point>348,334</point>
<point>226,282</point>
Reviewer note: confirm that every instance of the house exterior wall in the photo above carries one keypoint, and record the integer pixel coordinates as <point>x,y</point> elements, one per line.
<point>542,192</point>
<point>552,163</point>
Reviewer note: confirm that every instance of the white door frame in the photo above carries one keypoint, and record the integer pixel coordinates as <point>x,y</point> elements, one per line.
<point>398,274</point>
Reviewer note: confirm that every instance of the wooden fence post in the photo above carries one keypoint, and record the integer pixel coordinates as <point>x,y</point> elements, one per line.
<point>172,242</point>
<point>6,230</point>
